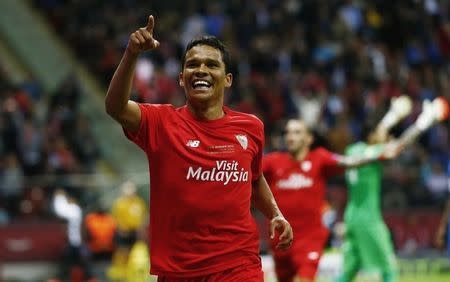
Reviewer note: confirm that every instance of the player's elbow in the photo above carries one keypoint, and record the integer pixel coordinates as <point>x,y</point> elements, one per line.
<point>109,109</point>
<point>112,109</point>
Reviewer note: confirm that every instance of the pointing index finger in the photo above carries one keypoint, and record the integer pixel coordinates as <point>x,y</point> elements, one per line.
<point>150,24</point>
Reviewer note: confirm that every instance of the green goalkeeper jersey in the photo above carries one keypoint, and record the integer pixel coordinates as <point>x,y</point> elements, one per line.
<point>364,184</point>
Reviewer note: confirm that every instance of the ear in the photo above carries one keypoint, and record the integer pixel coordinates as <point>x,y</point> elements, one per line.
<point>228,80</point>
<point>180,79</point>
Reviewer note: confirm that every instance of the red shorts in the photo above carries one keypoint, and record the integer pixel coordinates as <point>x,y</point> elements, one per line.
<point>244,273</point>
<point>302,259</point>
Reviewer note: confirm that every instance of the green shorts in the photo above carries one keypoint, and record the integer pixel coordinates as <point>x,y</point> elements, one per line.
<point>368,246</point>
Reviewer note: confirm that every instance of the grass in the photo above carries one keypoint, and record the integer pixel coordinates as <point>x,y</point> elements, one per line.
<point>426,278</point>
<point>409,278</point>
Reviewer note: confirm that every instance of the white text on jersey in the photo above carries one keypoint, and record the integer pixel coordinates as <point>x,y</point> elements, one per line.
<point>225,171</point>
<point>295,181</point>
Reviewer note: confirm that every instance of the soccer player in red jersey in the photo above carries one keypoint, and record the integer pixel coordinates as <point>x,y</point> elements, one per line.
<point>297,179</point>
<point>205,164</point>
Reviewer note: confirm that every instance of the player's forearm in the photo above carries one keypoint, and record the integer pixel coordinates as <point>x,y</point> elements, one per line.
<point>410,135</point>
<point>119,90</point>
<point>263,200</point>
<point>355,161</point>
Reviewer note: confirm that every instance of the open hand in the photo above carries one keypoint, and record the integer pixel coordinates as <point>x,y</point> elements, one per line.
<point>280,224</point>
<point>142,39</point>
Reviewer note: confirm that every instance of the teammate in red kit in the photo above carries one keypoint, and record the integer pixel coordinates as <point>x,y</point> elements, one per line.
<point>205,165</point>
<point>297,179</point>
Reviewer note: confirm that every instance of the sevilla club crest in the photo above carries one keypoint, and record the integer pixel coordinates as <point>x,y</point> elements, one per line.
<point>242,139</point>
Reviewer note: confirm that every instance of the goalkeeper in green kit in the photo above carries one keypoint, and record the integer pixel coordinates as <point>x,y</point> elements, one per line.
<point>367,243</point>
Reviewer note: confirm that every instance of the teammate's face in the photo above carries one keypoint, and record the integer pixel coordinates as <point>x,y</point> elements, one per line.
<point>203,76</point>
<point>297,136</point>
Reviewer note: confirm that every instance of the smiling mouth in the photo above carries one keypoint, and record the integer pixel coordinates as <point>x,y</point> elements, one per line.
<point>201,85</point>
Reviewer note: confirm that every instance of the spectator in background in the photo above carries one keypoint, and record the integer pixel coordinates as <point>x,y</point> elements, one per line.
<point>130,214</point>
<point>100,228</point>
<point>76,253</point>
<point>12,181</point>
<point>138,266</point>
<point>31,147</point>
<point>84,146</point>
<point>437,182</point>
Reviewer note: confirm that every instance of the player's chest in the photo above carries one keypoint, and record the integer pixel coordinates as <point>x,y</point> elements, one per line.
<point>221,147</point>
<point>296,175</point>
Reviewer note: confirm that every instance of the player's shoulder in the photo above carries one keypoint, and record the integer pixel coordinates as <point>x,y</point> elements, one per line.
<point>249,123</point>
<point>147,107</point>
<point>319,151</point>
<point>355,147</point>
<point>244,117</point>
<point>277,155</point>
<point>275,159</point>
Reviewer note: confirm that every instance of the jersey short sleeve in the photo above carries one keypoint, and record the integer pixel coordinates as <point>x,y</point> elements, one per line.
<point>267,164</point>
<point>329,162</point>
<point>152,116</point>
<point>257,163</point>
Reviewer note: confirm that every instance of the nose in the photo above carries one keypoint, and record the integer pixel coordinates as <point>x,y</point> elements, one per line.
<point>201,70</point>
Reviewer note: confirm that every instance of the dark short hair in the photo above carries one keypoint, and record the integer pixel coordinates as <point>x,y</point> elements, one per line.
<point>212,41</point>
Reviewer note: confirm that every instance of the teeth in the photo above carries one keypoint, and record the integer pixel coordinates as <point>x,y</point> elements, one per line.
<point>200,83</point>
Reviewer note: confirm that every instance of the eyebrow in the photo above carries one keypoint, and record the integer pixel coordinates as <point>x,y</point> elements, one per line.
<point>207,60</point>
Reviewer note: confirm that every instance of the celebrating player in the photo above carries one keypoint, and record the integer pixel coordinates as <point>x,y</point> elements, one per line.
<point>297,179</point>
<point>367,242</point>
<point>205,168</point>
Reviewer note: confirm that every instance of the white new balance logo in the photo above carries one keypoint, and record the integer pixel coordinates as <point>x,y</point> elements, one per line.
<point>193,143</point>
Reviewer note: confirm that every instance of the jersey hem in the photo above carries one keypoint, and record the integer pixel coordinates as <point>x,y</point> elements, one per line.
<point>206,271</point>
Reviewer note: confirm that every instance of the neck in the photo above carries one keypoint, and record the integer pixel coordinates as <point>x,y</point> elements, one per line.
<point>206,112</point>
<point>301,154</point>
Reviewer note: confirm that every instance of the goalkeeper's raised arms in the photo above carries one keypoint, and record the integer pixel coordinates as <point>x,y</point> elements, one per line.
<point>432,112</point>
<point>399,109</point>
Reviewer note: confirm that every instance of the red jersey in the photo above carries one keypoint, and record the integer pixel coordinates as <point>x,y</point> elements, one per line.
<point>201,175</point>
<point>299,186</point>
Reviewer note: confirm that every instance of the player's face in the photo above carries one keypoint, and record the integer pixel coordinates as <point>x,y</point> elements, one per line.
<point>203,76</point>
<point>297,136</point>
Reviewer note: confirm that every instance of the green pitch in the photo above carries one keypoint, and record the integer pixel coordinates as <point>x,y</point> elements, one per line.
<point>418,278</point>
<point>428,278</point>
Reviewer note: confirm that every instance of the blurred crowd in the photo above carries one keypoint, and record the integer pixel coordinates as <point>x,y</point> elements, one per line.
<point>44,142</point>
<point>333,63</point>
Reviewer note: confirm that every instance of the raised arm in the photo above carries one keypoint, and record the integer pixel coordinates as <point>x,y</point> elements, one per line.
<point>432,112</point>
<point>264,201</point>
<point>355,161</point>
<point>385,152</point>
<point>117,102</point>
